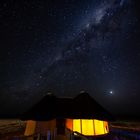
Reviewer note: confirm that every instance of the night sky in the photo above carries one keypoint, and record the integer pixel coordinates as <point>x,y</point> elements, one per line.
<point>65,46</point>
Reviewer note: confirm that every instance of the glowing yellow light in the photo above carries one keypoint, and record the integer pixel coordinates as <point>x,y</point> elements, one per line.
<point>69,124</point>
<point>99,127</point>
<point>30,128</point>
<point>106,127</point>
<point>76,125</point>
<point>88,127</point>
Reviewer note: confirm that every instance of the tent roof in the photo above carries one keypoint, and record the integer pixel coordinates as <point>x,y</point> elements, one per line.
<point>82,106</point>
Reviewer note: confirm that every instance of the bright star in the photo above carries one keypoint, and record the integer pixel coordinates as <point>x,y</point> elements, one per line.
<point>111,92</point>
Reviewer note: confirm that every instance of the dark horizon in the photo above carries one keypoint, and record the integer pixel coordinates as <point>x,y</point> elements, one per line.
<point>117,116</point>
<point>68,46</point>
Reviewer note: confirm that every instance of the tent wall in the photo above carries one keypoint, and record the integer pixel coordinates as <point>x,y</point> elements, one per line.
<point>30,128</point>
<point>88,127</point>
<point>44,128</point>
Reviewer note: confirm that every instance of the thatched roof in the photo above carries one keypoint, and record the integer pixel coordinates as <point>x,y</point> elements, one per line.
<point>82,106</point>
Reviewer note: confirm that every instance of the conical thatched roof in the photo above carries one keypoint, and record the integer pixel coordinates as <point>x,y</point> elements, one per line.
<point>87,107</point>
<point>44,109</point>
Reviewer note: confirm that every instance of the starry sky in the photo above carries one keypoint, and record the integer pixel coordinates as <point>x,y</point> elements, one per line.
<point>67,46</point>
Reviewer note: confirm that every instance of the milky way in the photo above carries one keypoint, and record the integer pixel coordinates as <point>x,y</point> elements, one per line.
<point>68,47</point>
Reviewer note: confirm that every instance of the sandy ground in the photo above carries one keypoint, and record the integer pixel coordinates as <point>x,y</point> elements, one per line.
<point>133,126</point>
<point>10,128</point>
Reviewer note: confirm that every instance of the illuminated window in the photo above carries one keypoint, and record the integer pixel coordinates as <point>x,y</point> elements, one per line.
<point>88,127</point>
